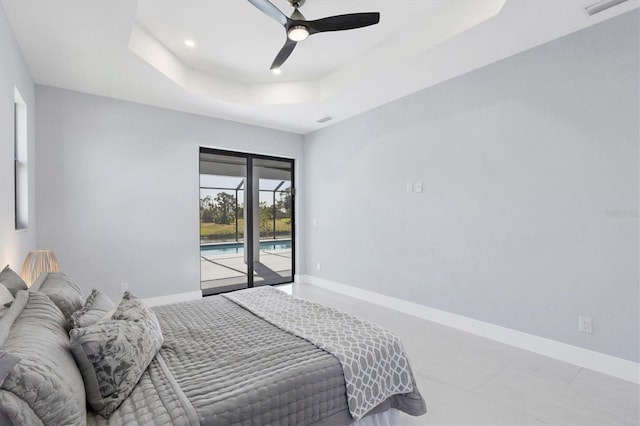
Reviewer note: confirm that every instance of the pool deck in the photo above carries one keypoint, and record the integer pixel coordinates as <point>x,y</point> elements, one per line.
<point>225,270</point>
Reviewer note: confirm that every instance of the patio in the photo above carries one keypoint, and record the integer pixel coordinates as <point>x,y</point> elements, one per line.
<point>229,271</point>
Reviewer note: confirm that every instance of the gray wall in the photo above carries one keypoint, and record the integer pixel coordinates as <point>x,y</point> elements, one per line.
<point>529,215</point>
<point>118,188</point>
<point>14,245</point>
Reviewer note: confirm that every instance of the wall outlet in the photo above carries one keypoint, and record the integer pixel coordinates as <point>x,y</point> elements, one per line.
<point>585,325</point>
<point>318,266</point>
<point>418,187</point>
<point>124,286</point>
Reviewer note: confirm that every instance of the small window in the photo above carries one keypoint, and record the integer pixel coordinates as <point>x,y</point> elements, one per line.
<point>21,188</point>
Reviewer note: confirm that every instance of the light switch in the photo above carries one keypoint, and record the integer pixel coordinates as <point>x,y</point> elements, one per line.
<point>409,187</point>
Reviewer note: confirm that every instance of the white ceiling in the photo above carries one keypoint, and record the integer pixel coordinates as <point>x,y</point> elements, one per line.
<point>135,51</point>
<point>237,41</point>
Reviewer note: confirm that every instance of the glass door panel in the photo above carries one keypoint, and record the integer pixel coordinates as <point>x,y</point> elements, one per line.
<point>273,228</point>
<point>223,233</point>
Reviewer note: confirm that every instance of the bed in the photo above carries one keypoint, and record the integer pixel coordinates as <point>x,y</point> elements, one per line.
<point>253,357</point>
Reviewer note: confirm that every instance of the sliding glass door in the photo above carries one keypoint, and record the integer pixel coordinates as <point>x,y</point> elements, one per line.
<point>246,220</point>
<point>273,235</point>
<point>222,224</point>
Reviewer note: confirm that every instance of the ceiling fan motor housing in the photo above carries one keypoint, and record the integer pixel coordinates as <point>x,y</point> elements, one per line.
<point>296,3</point>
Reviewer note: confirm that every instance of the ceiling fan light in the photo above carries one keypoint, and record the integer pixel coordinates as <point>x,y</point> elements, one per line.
<point>298,33</point>
<point>276,71</point>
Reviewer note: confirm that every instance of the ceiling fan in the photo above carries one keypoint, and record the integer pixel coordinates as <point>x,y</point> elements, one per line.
<point>298,28</point>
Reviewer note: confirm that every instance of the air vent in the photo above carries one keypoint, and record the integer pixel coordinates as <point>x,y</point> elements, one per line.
<point>325,119</point>
<point>601,6</point>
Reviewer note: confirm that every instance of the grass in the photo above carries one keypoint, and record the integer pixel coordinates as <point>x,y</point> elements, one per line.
<point>213,232</point>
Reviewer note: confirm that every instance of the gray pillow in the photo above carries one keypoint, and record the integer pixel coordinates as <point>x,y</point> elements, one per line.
<point>14,411</point>
<point>113,354</point>
<point>94,309</point>
<point>36,365</point>
<point>9,317</point>
<point>64,292</point>
<point>12,281</point>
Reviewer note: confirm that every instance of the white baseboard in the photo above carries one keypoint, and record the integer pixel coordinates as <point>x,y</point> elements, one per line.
<point>603,363</point>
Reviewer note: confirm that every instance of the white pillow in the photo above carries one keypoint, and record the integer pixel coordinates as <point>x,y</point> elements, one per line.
<point>6,298</point>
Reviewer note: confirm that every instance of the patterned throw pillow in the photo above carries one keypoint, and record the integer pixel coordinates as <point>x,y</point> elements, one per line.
<point>12,281</point>
<point>133,309</point>
<point>94,309</point>
<point>113,354</point>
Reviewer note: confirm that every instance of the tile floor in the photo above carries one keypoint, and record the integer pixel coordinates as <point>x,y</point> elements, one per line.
<point>469,380</point>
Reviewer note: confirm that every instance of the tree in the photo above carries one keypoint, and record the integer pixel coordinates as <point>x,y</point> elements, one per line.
<point>265,215</point>
<point>283,205</point>
<point>206,209</point>
<point>225,208</point>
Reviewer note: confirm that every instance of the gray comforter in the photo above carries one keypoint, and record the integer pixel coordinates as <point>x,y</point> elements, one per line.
<point>235,368</point>
<point>156,400</point>
<point>374,363</point>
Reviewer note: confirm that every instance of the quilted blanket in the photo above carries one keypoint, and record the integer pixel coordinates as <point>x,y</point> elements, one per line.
<point>221,364</point>
<point>156,399</point>
<point>373,360</point>
<point>237,369</point>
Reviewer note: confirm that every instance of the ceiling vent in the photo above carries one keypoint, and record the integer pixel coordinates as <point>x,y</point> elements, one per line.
<point>601,6</point>
<point>325,119</point>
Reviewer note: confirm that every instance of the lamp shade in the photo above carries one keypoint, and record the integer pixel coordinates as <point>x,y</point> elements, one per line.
<point>37,262</point>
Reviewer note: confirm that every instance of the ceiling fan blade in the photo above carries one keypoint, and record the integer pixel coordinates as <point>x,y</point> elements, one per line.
<point>343,22</point>
<point>284,53</point>
<point>269,9</point>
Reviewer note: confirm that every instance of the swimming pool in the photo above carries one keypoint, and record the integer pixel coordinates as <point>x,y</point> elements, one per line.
<point>236,248</point>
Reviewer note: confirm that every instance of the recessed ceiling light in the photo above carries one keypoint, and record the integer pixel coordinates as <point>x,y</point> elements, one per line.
<point>189,43</point>
<point>276,71</point>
